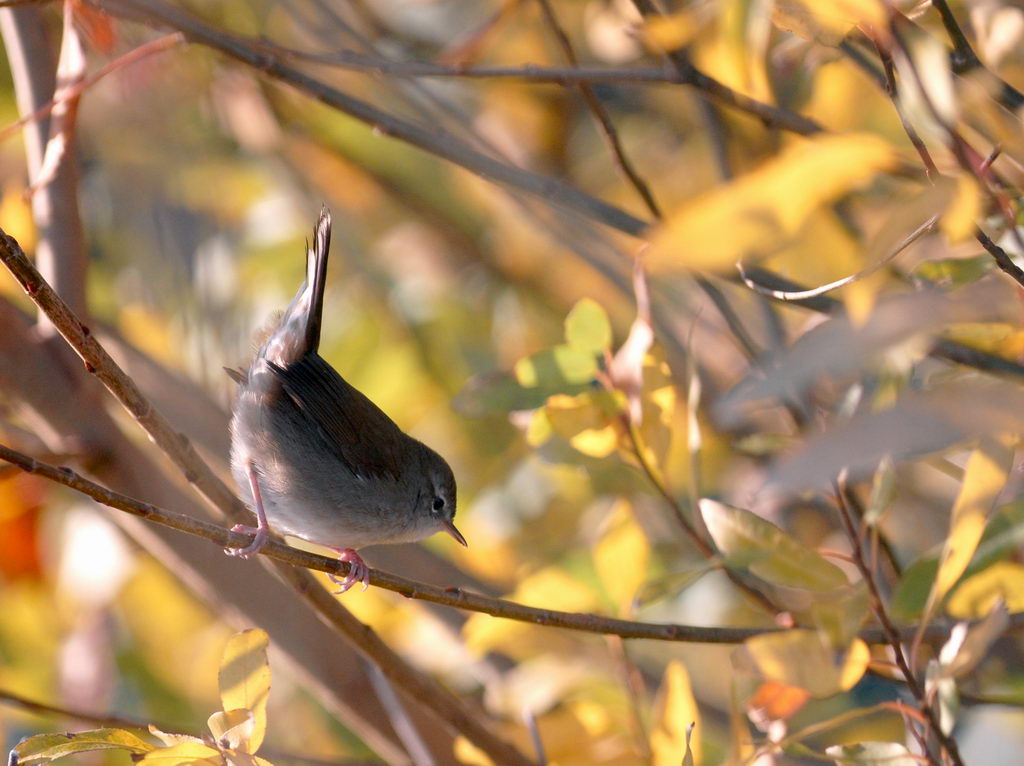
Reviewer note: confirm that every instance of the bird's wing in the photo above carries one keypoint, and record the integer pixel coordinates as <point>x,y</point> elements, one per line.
<point>365,439</point>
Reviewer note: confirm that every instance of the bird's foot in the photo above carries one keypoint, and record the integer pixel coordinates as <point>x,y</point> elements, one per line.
<point>357,570</point>
<point>260,536</point>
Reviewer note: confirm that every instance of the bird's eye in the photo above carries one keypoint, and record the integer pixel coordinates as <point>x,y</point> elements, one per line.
<point>438,503</point>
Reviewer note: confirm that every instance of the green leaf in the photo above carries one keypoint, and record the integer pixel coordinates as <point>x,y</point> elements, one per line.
<point>43,748</point>
<point>841,615</point>
<point>912,592</point>
<point>883,488</point>
<point>807,659</point>
<point>1004,533</point>
<point>954,271</point>
<point>673,584</point>
<point>501,393</point>
<point>872,754</point>
<point>749,541</point>
<point>555,368</point>
<point>587,327</point>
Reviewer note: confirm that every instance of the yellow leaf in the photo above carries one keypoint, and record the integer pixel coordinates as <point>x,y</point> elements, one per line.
<point>658,403</point>
<point>621,556</point>
<point>669,33</point>
<point>183,754</point>
<point>232,728</point>
<point>599,442</point>
<point>551,588</point>
<point>469,754</point>
<point>585,421</point>
<point>539,431</point>
<point>1000,338</point>
<point>826,21</point>
<point>148,331</point>
<point>170,738</point>
<point>861,296</point>
<point>806,659</point>
<point>676,711</point>
<point>758,213</point>
<point>245,681</point>
<point>16,216</point>
<point>958,222</point>
<point>984,478</point>
<point>977,595</point>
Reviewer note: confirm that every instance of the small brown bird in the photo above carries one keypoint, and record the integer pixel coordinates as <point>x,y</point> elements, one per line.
<point>315,458</point>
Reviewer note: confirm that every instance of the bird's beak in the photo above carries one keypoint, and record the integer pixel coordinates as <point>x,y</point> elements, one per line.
<point>449,527</point>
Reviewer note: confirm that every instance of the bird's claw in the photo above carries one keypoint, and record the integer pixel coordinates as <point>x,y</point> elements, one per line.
<point>358,571</point>
<point>260,536</point>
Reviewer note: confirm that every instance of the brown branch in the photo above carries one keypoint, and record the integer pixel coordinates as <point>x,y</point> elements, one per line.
<point>892,634</point>
<point>963,58</point>
<point>787,296</point>
<point>354,61</point>
<point>601,116</point>
<point>443,146</point>
<point>96,719</point>
<point>435,699</point>
<point>771,116</point>
<point>965,156</point>
<point>1003,261</point>
<point>949,350</point>
<point>453,597</point>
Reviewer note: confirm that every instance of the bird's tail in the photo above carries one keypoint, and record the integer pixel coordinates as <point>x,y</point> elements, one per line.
<point>298,333</point>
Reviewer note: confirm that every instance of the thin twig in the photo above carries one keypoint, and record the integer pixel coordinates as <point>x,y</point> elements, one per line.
<point>96,719</point>
<point>1003,261</point>
<point>147,49</point>
<point>799,295</point>
<point>949,350</point>
<point>633,681</point>
<point>771,116</point>
<point>892,634</point>
<point>353,61</point>
<point>706,549</point>
<point>446,147</point>
<point>965,155</point>
<point>964,59</point>
<point>601,116</point>
<point>538,744</point>
<point>455,597</point>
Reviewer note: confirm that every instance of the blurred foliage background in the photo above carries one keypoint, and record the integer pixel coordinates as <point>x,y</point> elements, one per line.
<point>201,176</point>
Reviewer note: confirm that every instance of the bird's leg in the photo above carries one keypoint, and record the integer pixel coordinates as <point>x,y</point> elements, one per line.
<point>261,532</point>
<point>357,570</point>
